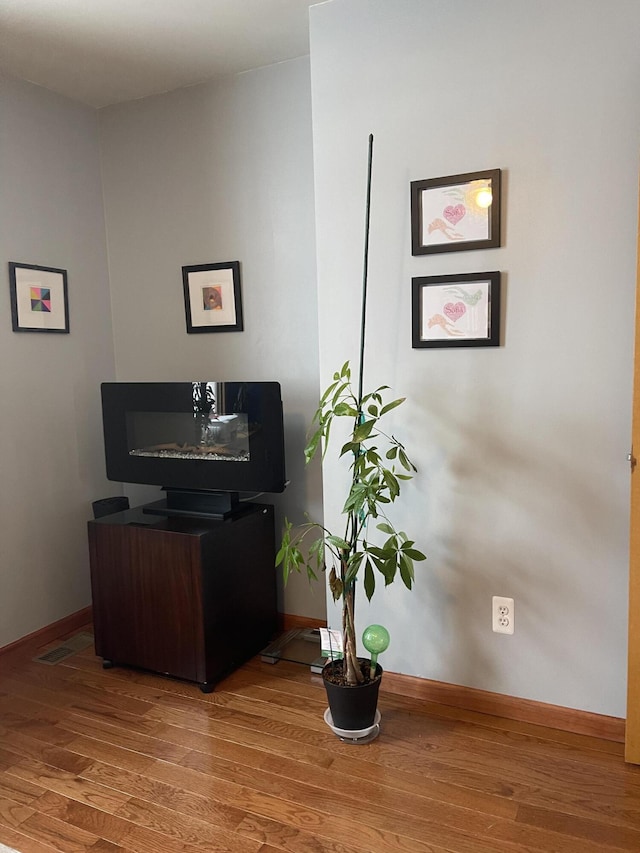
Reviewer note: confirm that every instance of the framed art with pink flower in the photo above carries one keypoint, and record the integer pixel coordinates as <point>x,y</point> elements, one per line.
<point>456,213</point>
<point>39,298</point>
<point>456,310</point>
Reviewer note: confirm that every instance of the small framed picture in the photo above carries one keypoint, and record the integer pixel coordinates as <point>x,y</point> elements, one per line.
<point>212,298</point>
<point>39,298</point>
<point>456,213</point>
<point>456,310</point>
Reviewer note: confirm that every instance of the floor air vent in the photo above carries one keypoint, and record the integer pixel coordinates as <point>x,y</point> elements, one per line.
<point>67,648</point>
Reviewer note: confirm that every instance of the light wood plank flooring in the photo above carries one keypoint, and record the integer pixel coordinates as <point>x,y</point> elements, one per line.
<point>119,761</point>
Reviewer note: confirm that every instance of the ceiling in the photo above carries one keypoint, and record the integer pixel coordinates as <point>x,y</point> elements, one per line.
<point>102,52</point>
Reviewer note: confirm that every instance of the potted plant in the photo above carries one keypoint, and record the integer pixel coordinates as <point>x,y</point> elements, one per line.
<point>378,465</point>
<point>359,552</point>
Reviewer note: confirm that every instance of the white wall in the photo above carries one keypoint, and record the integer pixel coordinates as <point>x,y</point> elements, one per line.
<point>51,458</point>
<point>523,479</point>
<point>219,172</point>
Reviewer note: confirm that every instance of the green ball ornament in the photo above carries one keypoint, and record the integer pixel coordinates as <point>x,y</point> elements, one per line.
<point>376,640</point>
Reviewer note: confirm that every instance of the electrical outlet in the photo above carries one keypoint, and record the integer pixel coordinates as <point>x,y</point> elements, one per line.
<point>502,615</point>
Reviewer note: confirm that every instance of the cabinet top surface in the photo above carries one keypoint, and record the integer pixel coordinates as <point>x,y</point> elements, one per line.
<point>138,517</point>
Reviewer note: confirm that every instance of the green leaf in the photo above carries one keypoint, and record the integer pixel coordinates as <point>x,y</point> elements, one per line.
<point>280,554</point>
<point>369,580</point>
<point>343,409</point>
<point>363,431</point>
<point>381,566</point>
<point>352,446</point>
<point>316,553</point>
<point>390,406</point>
<point>408,549</point>
<point>353,566</point>
<point>291,562</point>
<point>361,468</point>
<point>380,553</point>
<point>391,483</point>
<point>404,460</point>
<point>406,571</point>
<point>356,498</point>
<point>416,555</point>
<point>386,528</point>
<point>392,452</point>
<point>373,457</point>
<point>338,542</point>
<point>329,391</point>
<point>337,394</point>
<point>312,446</point>
<point>389,571</point>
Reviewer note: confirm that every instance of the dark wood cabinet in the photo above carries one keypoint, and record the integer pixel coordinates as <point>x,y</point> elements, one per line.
<point>186,597</point>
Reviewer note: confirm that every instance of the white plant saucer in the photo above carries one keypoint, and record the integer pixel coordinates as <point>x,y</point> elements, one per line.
<point>356,736</point>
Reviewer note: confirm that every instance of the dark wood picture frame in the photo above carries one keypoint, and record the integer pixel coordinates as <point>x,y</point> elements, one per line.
<point>456,213</point>
<point>212,297</point>
<point>39,298</point>
<point>456,310</point>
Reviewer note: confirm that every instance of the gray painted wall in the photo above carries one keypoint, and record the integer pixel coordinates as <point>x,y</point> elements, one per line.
<point>221,172</point>
<point>523,485</point>
<point>51,461</point>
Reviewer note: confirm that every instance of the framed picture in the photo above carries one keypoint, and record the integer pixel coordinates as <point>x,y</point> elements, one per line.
<point>456,310</point>
<point>212,297</point>
<point>456,213</point>
<point>39,299</point>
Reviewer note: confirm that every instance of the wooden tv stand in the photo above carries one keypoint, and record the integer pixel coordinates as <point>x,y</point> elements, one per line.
<point>187,597</point>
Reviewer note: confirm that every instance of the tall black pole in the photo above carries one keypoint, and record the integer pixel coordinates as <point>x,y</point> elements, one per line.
<point>365,271</point>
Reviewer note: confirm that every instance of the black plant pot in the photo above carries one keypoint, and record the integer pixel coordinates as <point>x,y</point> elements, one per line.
<point>353,708</point>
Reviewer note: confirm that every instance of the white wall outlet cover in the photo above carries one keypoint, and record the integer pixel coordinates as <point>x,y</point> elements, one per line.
<point>502,615</point>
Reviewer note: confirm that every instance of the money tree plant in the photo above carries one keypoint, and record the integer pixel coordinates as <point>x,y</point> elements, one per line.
<point>370,547</point>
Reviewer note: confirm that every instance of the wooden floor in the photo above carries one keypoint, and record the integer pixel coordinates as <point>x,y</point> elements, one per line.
<point>117,760</point>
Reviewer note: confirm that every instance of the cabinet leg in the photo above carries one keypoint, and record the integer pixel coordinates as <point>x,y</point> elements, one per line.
<point>207,688</point>
<point>107,664</point>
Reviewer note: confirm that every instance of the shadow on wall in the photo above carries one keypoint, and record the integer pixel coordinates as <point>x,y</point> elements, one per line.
<point>510,519</point>
<point>302,495</point>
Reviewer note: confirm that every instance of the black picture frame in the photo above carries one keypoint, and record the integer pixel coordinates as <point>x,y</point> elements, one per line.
<point>456,310</point>
<point>39,298</point>
<point>451,214</point>
<point>212,297</point>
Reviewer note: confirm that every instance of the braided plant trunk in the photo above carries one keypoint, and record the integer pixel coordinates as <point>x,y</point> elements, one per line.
<point>353,672</point>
